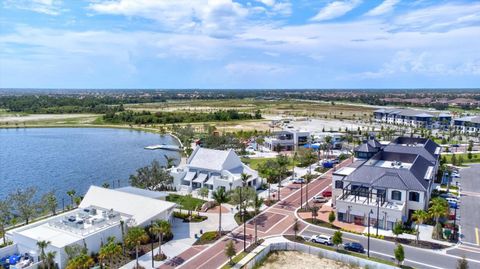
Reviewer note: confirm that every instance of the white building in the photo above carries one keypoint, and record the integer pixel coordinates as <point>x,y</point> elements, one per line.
<point>391,185</point>
<point>102,213</point>
<point>287,140</point>
<point>470,124</point>
<point>413,118</point>
<point>213,169</point>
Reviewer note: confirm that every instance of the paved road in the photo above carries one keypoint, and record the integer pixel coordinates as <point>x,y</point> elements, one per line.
<point>469,203</point>
<point>278,219</point>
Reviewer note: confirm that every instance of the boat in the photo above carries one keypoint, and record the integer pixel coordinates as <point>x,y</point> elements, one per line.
<point>164,147</point>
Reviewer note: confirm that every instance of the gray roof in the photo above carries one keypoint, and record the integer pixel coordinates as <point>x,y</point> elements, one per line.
<point>397,178</point>
<point>371,145</point>
<point>411,145</point>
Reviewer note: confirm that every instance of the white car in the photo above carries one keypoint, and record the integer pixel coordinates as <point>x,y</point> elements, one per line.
<point>298,180</point>
<point>455,175</point>
<point>451,200</point>
<point>319,199</point>
<point>322,239</point>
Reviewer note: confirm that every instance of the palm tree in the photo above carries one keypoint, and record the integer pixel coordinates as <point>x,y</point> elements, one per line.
<point>282,161</point>
<point>170,161</point>
<point>438,208</point>
<point>243,202</point>
<point>220,197</point>
<point>50,259</point>
<point>257,203</point>
<point>110,251</point>
<point>308,178</point>
<point>42,245</point>
<point>135,237</point>
<point>160,228</point>
<point>420,216</point>
<point>5,217</point>
<point>71,193</point>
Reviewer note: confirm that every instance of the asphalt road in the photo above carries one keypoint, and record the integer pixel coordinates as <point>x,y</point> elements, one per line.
<point>469,211</point>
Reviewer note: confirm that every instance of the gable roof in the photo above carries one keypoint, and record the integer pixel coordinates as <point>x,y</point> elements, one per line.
<point>212,159</point>
<point>371,145</point>
<point>420,146</point>
<point>139,207</point>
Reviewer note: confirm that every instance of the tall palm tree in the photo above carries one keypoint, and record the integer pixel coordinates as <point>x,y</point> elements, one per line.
<point>160,228</point>
<point>110,251</point>
<point>42,245</point>
<point>257,203</point>
<point>283,162</point>
<point>50,259</point>
<point>220,196</point>
<point>170,161</point>
<point>308,178</point>
<point>135,237</point>
<point>438,209</point>
<point>243,203</point>
<point>71,193</point>
<point>420,216</point>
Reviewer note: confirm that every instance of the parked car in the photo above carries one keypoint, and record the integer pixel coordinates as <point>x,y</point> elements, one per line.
<point>327,193</point>
<point>335,161</point>
<point>451,200</point>
<point>319,199</point>
<point>453,205</point>
<point>322,239</point>
<point>455,145</point>
<point>448,195</point>
<point>455,175</point>
<point>355,247</point>
<point>298,180</point>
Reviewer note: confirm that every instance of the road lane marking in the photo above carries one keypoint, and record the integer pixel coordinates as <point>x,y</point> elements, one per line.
<point>476,235</point>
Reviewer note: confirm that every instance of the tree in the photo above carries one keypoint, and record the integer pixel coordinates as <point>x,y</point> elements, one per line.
<point>269,170</point>
<point>462,263</point>
<point>308,178</point>
<point>399,254</point>
<point>337,238</point>
<point>106,185</point>
<point>5,217</point>
<point>438,208</point>
<point>295,227</point>
<point>110,251</point>
<point>170,161</point>
<point>42,245</point>
<point>397,229</point>
<point>152,177</point>
<point>220,197</point>
<point>256,203</point>
<point>314,213</point>
<point>71,194</point>
<point>24,204</point>
<point>50,259</point>
<point>420,216</point>
<point>230,250</point>
<point>161,228</point>
<point>203,192</point>
<point>78,200</point>
<point>247,195</point>
<point>82,261</point>
<point>49,202</point>
<point>282,161</point>
<point>135,237</point>
<point>331,217</point>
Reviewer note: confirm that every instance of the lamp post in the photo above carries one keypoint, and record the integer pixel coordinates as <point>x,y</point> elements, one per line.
<point>301,194</point>
<point>151,224</point>
<point>243,218</point>
<point>378,211</point>
<point>455,218</point>
<point>368,240</point>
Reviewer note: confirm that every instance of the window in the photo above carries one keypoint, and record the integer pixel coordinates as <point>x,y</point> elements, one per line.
<point>414,196</point>
<point>338,184</point>
<point>396,195</point>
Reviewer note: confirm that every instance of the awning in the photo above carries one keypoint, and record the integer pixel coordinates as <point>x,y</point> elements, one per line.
<point>200,178</point>
<point>189,176</point>
<point>341,210</point>
<point>357,213</point>
<point>209,181</point>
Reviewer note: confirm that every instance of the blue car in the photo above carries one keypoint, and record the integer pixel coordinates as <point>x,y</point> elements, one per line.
<point>355,247</point>
<point>452,204</point>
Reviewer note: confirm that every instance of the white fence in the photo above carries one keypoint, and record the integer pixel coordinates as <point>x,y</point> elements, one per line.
<point>328,254</point>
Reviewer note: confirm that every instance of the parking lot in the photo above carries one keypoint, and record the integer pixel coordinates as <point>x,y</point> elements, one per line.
<point>470,204</point>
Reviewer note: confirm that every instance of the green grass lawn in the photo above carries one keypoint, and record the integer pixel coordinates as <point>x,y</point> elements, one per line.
<point>475,157</point>
<point>186,202</point>
<point>235,260</point>
<point>254,163</point>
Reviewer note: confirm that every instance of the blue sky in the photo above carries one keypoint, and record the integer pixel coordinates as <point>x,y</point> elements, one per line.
<point>239,44</point>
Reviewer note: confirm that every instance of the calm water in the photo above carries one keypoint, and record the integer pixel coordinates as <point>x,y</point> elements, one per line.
<point>61,159</point>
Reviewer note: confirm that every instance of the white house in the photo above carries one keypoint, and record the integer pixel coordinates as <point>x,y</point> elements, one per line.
<point>102,213</point>
<point>213,169</point>
<point>287,139</point>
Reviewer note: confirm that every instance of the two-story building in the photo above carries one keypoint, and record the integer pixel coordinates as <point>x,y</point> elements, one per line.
<point>390,186</point>
<point>287,140</point>
<point>213,169</point>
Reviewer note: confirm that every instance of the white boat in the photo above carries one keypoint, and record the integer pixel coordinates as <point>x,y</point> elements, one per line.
<point>164,146</point>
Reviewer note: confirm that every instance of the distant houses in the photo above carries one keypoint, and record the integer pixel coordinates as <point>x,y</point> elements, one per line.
<point>413,118</point>
<point>386,182</point>
<point>213,169</point>
<point>287,140</point>
<point>467,124</point>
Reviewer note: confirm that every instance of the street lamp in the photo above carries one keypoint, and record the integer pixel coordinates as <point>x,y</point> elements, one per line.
<point>243,218</point>
<point>455,218</point>
<point>378,211</point>
<point>368,241</point>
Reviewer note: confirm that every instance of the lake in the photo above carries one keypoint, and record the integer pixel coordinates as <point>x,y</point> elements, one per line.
<point>61,159</point>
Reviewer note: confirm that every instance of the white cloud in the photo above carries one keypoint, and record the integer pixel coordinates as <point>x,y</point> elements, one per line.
<point>385,7</point>
<point>256,68</point>
<point>49,7</point>
<point>335,9</point>
<point>438,18</point>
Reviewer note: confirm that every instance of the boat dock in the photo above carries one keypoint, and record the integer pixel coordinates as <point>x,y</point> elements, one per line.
<point>164,147</point>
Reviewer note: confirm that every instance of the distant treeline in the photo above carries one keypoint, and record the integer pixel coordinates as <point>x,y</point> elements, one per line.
<point>146,117</point>
<point>59,104</point>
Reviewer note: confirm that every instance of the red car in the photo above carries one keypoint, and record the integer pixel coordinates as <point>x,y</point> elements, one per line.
<point>327,193</point>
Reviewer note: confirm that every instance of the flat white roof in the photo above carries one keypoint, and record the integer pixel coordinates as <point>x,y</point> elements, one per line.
<point>139,207</point>
<point>345,171</point>
<point>58,238</point>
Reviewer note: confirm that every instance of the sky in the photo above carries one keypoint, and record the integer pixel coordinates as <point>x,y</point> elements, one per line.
<point>236,44</point>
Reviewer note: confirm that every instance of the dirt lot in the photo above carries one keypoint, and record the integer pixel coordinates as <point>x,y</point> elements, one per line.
<point>299,260</point>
